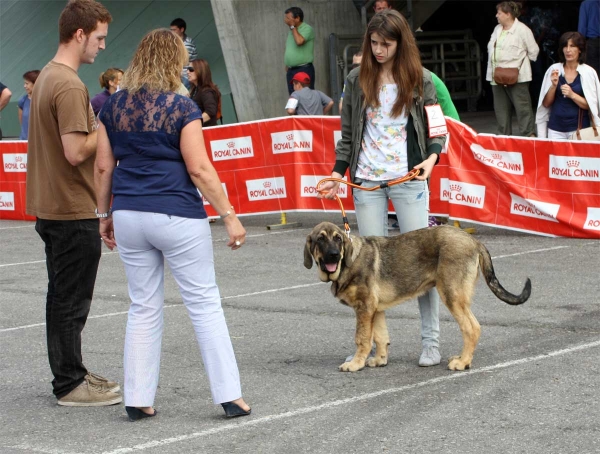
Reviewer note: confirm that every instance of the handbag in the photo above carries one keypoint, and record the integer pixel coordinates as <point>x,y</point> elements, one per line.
<point>506,76</point>
<point>590,133</point>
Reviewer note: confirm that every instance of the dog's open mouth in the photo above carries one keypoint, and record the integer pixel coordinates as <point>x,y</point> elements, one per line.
<point>328,267</point>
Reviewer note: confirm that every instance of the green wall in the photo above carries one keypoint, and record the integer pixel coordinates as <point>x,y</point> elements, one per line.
<point>29,39</point>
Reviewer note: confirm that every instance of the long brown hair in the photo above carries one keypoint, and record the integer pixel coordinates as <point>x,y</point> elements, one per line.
<point>204,76</point>
<point>157,63</point>
<point>406,67</point>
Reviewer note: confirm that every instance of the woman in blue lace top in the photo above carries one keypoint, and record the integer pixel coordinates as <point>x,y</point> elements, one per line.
<point>157,213</point>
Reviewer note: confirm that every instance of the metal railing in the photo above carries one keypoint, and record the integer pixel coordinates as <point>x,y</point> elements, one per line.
<point>340,61</point>
<point>456,61</point>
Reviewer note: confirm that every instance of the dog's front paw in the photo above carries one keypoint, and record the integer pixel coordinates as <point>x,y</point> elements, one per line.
<point>352,366</point>
<point>457,363</point>
<point>377,361</point>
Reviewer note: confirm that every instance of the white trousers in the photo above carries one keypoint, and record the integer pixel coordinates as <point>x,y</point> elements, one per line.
<point>144,241</point>
<point>552,134</point>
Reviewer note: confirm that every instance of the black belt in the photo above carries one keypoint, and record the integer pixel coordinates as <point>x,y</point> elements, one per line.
<point>300,66</point>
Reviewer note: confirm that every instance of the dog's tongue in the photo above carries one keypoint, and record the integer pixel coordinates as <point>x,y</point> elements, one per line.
<point>331,267</point>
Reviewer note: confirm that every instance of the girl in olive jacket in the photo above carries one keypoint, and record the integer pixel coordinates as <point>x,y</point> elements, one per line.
<point>384,135</point>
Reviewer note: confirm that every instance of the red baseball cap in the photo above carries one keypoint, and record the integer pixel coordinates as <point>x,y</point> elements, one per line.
<point>301,77</point>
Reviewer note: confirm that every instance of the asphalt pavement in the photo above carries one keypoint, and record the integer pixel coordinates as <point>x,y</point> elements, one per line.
<point>534,385</point>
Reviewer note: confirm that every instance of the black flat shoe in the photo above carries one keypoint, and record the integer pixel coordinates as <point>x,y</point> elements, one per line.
<point>232,410</point>
<point>135,413</point>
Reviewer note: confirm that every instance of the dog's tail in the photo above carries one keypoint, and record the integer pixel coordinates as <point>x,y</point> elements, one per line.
<point>487,269</point>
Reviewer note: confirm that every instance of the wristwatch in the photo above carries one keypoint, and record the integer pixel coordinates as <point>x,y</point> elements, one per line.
<point>103,215</point>
<point>292,27</point>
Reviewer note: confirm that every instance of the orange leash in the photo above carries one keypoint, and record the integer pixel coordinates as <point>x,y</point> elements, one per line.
<point>409,176</point>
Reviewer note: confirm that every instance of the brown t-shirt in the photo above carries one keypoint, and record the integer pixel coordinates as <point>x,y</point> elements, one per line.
<point>57,190</point>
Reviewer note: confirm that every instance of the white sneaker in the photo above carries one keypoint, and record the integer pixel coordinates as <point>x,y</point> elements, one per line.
<point>430,356</point>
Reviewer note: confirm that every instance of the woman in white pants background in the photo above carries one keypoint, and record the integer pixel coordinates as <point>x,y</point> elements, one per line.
<point>155,136</point>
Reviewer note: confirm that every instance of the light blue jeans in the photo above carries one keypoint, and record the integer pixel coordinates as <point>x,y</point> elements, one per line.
<point>411,202</point>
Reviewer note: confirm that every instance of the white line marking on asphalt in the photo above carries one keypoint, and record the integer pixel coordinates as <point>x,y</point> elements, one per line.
<point>349,400</point>
<point>29,448</point>
<point>262,292</point>
<point>22,263</point>
<point>219,240</point>
<point>530,252</point>
<point>19,227</point>
<point>112,314</point>
<point>44,261</point>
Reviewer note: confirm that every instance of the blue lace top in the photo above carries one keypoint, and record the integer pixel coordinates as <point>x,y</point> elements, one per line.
<point>144,131</point>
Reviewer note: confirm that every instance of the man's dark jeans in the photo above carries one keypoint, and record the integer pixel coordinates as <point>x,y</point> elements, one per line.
<point>73,251</point>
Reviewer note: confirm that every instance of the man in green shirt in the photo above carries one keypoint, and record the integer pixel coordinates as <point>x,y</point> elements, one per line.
<point>299,47</point>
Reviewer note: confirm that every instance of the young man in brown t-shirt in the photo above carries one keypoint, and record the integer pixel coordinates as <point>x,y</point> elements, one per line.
<point>60,194</point>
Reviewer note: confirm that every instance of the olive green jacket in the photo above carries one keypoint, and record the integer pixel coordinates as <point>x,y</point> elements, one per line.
<point>354,115</point>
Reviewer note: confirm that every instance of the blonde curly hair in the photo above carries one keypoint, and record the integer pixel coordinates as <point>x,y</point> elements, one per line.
<point>157,63</point>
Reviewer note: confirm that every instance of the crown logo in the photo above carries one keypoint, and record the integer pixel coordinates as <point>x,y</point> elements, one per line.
<point>230,144</point>
<point>573,163</point>
<point>455,187</point>
<point>290,136</point>
<point>497,156</point>
<point>19,158</point>
<point>267,184</point>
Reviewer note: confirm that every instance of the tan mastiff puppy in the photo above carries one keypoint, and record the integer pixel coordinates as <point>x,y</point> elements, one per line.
<point>372,274</point>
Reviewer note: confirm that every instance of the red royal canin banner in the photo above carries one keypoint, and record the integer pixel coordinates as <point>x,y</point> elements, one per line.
<point>12,180</point>
<point>271,166</point>
<point>533,185</point>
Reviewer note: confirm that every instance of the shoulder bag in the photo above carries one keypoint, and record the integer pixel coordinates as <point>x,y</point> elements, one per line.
<point>505,76</point>
<point>590,133</point>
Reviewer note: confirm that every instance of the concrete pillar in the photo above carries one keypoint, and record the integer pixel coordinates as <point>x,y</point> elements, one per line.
<point>241,79</point>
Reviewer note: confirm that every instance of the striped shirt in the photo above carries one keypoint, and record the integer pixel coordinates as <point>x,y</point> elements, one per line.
<point>190,47</point>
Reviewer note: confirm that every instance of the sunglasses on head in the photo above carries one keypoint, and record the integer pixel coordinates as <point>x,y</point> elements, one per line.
<point>190,69</point>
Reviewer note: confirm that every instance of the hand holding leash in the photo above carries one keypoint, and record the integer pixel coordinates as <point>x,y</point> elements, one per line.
<point>426,168</point>
<point>327,187</point>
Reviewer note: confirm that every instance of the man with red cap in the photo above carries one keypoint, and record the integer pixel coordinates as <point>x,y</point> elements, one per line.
<point>304,100</point>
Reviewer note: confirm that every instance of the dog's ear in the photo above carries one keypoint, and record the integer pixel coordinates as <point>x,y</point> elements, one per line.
<point>308,258</point>
<point>348,249</point>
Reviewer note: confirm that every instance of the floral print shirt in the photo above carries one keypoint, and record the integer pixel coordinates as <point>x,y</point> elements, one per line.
<point>383,153</point>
